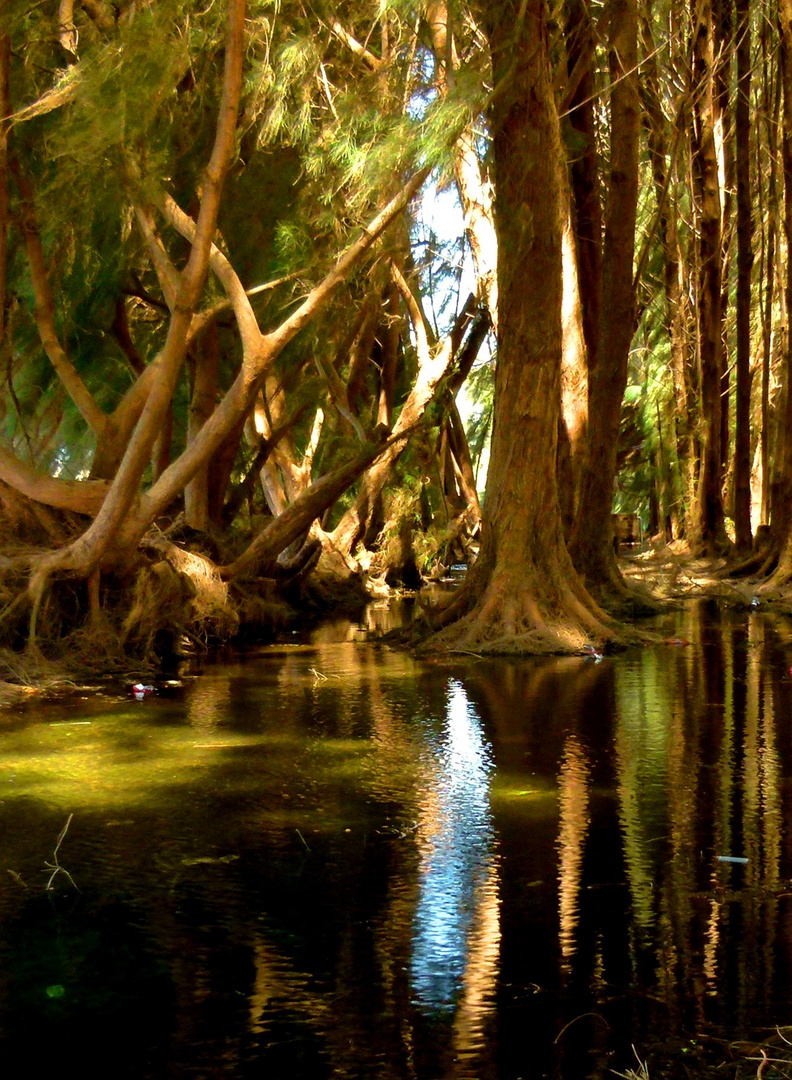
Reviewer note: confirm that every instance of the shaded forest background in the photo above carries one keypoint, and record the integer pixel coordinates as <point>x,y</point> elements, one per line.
<point>250,255</point>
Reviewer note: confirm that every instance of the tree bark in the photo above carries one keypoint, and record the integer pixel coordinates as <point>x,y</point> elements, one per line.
<point>591,546</point>
<point>202,404</point>
<point>708,529</point>
<point>432,367</point>
<point>523,594</point>
<point>677,314</point>
<point>584,169</point>
<point>473,184</point>
<point>742,127</point>
<point>782,503</point>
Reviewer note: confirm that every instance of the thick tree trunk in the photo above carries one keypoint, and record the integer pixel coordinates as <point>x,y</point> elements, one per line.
<point>591,546</point>
<point>525,593</point>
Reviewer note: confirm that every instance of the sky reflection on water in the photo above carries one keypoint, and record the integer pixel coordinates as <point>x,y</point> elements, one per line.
<point>458,876</point>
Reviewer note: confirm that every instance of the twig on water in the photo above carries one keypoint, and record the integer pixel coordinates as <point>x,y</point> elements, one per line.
<point>55,866</point>
<point>303,840</point>
<point>319,676</point>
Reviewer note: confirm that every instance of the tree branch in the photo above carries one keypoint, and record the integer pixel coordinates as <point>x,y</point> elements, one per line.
<point>45,310</point>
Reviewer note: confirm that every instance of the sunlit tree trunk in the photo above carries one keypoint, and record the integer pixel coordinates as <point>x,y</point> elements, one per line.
<point>473,183</point>
<point>523,594</point>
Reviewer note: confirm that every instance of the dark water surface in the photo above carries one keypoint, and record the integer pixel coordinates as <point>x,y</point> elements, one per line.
<point>334,860</point>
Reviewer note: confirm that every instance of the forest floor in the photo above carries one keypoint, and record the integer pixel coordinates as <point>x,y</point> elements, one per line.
<point>670,573</point>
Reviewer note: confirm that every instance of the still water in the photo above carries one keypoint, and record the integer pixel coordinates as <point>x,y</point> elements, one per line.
<point>334,860</point>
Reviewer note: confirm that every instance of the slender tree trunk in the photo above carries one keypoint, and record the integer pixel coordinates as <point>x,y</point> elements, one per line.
<point>202,405</point>
<point>574,376</point>
<point>473,184</point>
<point>742,450</point>
<point>584,169</point>
<point>591,546</point>
<point>663,158</point>
<point>432,367</point>
<point>84,554</point>
<point>782,502</point>
<point>708,524</point>
<point>772,103</point>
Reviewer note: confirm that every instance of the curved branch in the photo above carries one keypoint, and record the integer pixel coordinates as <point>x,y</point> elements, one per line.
<point>79,496</point>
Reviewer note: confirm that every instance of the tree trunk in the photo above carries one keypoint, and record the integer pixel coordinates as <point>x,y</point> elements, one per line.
<point>306,508</point>
<point>742,449</point>
<point>591,546</point>
<point>524,592</point>
<point>708,529</point>
<point>782,502</point>
<point>584,169</point>
<point>574,377</point>
<point>677,316</point>
<point>432,367</point>
<point>771,103</point>
<point>202,404</point>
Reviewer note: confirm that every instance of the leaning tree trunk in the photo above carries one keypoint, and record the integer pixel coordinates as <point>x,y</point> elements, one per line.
<point>591,546</point>
<point>523,594</point>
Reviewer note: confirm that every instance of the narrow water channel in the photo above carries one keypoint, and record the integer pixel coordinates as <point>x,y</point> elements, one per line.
<point>334,860</point>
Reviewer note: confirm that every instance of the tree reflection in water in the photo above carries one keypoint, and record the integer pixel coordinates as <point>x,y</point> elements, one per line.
<point>334,859</point>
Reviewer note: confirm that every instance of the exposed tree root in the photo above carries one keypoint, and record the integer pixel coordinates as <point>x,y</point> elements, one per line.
<point>513,618</point>
<point>623,600</point>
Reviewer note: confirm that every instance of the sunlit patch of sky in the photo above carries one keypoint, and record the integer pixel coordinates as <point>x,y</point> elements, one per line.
<point>448,276</point>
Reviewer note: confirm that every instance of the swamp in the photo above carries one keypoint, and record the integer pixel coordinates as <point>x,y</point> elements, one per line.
<point>396,539</point>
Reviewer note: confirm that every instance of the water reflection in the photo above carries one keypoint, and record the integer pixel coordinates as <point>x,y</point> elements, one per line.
<point>456,935</point>
<point>334,859</point>
<point>574,823</point>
